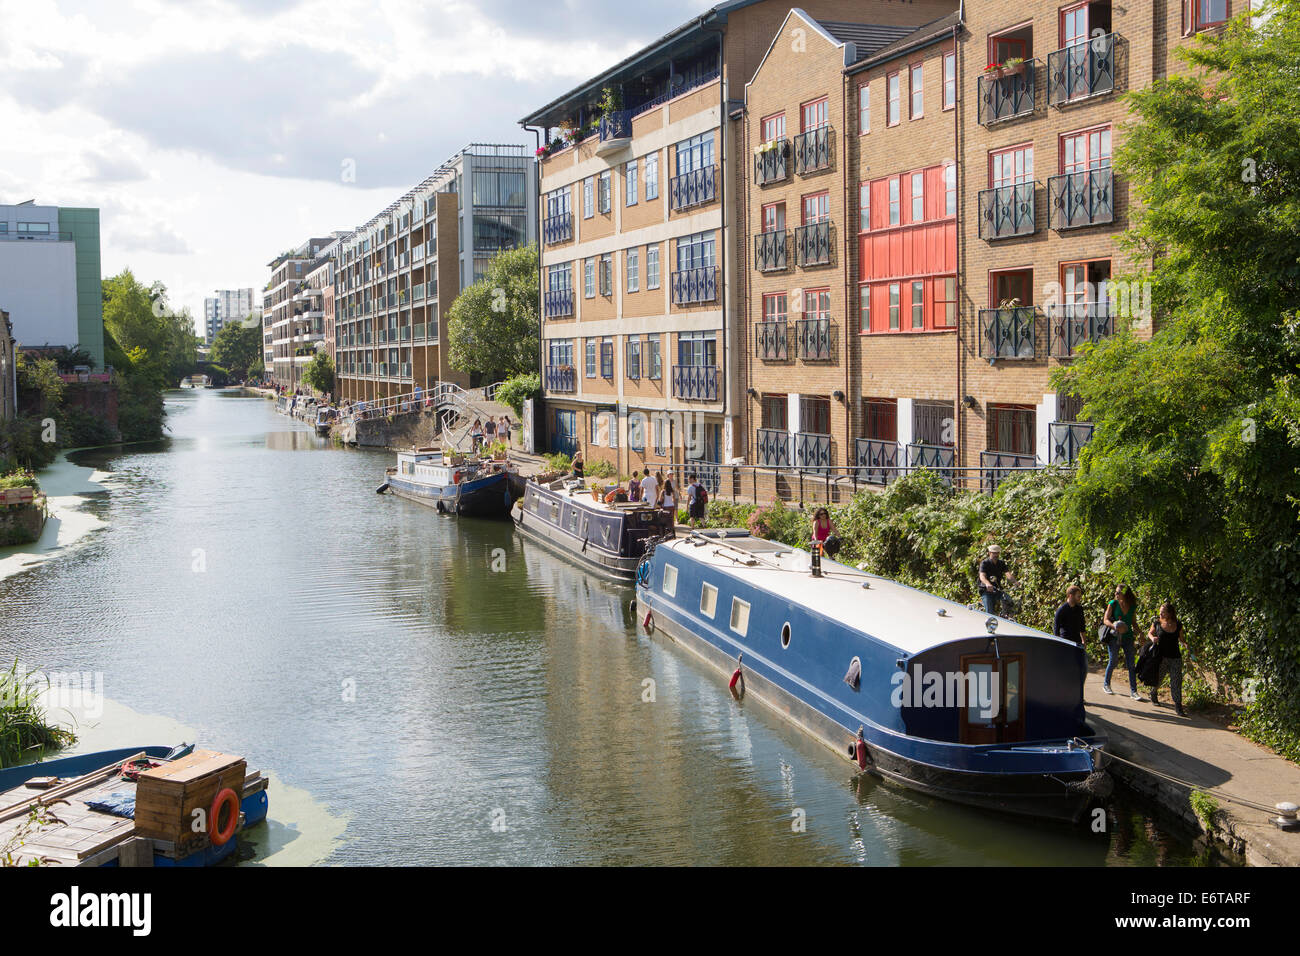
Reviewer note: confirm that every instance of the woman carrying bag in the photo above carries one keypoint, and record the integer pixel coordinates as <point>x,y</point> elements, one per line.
<point>1166,634</point>
<point>1117,632</point>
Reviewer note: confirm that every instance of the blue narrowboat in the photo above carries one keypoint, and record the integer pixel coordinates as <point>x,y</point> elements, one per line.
<point>916,689</point>
<point>606,538</point>
<point>479,489</point>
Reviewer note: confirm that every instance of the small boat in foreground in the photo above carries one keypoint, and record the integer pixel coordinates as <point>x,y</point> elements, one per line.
<point>607,538</point>
<point>478,489</point>
<point>130,807</point>
<point>911,687</point>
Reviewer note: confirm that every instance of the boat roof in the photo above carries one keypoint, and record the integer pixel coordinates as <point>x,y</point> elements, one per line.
<point>902,616</point>
<point>574,488</point>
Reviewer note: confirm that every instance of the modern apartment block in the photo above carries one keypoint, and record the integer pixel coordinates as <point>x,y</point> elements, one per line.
<point>228,305</point>
<point>290,327</point>
<point>645,239</point>
<point>50,276</point>
<point>396,275</point>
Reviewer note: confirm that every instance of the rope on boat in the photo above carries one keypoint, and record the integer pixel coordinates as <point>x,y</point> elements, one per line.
<point>1212,791</point>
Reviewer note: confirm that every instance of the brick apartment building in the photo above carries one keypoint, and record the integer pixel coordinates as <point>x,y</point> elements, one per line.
<point>290,330</point>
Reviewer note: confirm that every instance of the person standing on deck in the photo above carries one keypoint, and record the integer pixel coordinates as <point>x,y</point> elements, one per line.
<point>1166,633</point>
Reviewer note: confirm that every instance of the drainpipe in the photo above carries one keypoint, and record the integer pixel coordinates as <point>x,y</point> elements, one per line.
<point>538,133</point>
<point>722,200</point>
<point>848,280</point>
<point>959,173</point>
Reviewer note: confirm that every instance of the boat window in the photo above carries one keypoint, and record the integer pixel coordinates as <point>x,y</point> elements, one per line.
<point>708,600</point>
<point>785,635</point>
<point>586,524</point>
<point>739,616</point>
<point>977,711</point>
<point>605,530</point>
<point>670,580</point>
<point>1013,691</point>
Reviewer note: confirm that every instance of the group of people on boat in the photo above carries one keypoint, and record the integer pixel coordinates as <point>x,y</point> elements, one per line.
<point>655,490</point>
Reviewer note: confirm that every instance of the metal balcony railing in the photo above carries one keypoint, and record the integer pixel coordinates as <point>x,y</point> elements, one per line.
<point>557,302</point>
<point>1085,198</point>
<point>813,244</point>
<point>772,165</point>
<point>876,460</point>
<point>561,378</point>
<point>813,450</point>
<point>1081,70</point>
<point>1075,324</point>
<point>813,150</point>
<point>1007,96</point>
<point>1066,439</point>
<point>772,448</point>
<point>1008,211</point>
<point>691,286</point>
<point>1007,333</point>
<point>709,473</point>
<point>997,466</point>
<point>694,188</point>
<point>815,340</point>
<point>771,251</point>
<point>557,228</point>
<point>771,340</point>
<point>937,458</point>
<point>617,125</point>
<point>695,383</point>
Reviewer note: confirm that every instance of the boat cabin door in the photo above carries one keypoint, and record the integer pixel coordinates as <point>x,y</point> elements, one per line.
<point>993,711</point>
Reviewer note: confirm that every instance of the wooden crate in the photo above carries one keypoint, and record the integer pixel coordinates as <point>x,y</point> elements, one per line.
<point>167,796</point>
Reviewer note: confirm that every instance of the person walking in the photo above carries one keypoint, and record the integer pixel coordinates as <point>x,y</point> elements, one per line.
<point>634,488</point>
<point>1167,634</point>
<point>503,430</point>
<point>693,489</point>
<point>1069,623</point>
<point>650,489</point>
<point>476,434</point>
<point>991,572</point>
<point>668,500</point>
<point>1117,632</point>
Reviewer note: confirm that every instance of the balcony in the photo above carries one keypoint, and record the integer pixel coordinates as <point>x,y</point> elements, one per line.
<point>1085,198</point>
<point>561,378</point>
<point>771,340</point>
<point>812,450</point>
<point>1082,70</point>
<point>812,244</point>
<point>695,188</point>
<point>615,132</point>
<point>557,303</point>
<point>814,340</point>
<point>1075,324</point>
<point>406,333</point>
<point>937,458</point>
<point>693,286</point>
<point>997,466</point>
<point>876,460</point>
<point>772,165</point>
<point>771,251</point>
<point>1007,96</point>
<point>1007,333</point>
<point>813,150</point>
<point>1008,211</point>
<point>557,228</point>
<point>695,383</point>
<point>772,449</point>
<point>1066,439</point>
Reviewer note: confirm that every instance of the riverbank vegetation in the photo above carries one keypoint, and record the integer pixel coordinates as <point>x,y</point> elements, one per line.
<point>26,731</point>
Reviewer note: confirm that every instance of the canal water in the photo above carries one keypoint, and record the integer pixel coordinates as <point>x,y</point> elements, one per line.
<point>425,690</point>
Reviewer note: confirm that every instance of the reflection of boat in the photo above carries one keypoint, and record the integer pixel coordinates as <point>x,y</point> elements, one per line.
<point>473,488</point>
<point>608,539</point>
<point>88,798</point>
<point>974,709</point>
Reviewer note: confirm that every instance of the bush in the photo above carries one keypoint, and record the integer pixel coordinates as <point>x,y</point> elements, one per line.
<point>559,462</point>
<point>600,469</point>
<point>515,390</point>
<point>22,439</point>
<point>78,428</point>
<point>19,479</point>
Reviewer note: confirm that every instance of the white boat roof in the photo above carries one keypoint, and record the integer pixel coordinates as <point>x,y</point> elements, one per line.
<point>894,613</point>
<point>570,488</point>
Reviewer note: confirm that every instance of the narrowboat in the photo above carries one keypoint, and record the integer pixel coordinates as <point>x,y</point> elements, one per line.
<point>915,689</point>
<point>478,489</point>
<point>92,800</point>
<point>607,538</point>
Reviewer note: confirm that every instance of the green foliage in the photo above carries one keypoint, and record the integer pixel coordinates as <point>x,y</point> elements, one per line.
<point>600,469</point>
<point>497,450</point>
<point>1205,807</point>
<point>139,409</point>
<point>24,729</point>
<point>40,377</point>
<point>238,348</point>
<point>1191,483</point>
<point>559,462</point>
<point>319,373</point>
<point>515,390</point>
<point>157,344</point>
<point>22,444</point>
<point>19,479</point>
<point>493,327</point>
<point>78,428</point>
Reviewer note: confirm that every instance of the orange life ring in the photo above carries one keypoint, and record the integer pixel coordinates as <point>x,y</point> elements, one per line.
<point>221,835</point>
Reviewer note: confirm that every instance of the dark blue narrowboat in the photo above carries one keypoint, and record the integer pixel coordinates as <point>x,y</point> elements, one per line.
<point>916,689</point>
<point>607,539</point>
<point>479,489</point>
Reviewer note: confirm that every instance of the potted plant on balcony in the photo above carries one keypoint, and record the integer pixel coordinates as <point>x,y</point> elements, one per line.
<point>1013,66</point>
<point>611,101</point>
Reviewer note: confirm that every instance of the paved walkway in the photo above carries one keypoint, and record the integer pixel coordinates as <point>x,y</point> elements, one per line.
<point>1196,749</point>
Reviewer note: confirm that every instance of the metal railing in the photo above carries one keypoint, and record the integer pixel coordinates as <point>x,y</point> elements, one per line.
<point>813,450</point>
<point>1007,333</point>
<point>675,91</point>
<point>771,340</point>
<point>1085,198</point>
<point>695,383</point>
<point>617,125</point>
<point>813,150</point>
<point>38,236</point>
<point>997,466</point>
<point>813,244</point>
<point>1007,96</point>
<point>557,302</point>
<point>772,165</point>
<point>876,460</point>
<point>561,378</point>
<point>1008,211</point>
<point>1066,439</point>
<point>690,286</point>
<point>1081,70</point>
<point>558,228</point>
<point>771,251</point>
<point>936,458</point>
<point>815,339</point>
<point>1075,324</point>
<point>695,188</point>
<point>772,448</point>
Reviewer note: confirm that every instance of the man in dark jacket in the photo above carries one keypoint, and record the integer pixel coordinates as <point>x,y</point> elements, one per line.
<point>1069,621</point>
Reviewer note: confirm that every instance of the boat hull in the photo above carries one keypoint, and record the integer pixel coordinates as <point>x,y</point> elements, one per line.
<point>487,497</point>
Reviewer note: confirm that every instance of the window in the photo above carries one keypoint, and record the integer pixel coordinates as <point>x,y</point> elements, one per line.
<point>817,304</point>
<point>932,423</point>
<point>591,358</point>
<point>864,207</point>
<point>945,302</point>
<point>697,349</point>
<point>880,419</point>
<point>775,412</point>
<point>1086,150</point>
<point>588,203</point>
<point>814,115</point>
<point>916,85</point>
<point>662,426</point>
<point>633,358</point>
<point>652,267</point>
<point>773,127</point>
<point>918,197</point>
<point>589,278</point>
<point>696,252</point>
<point>1011,429</point>
<point>607,274</point>
<point>816,208</point>
<point>894,213</point>
<point>894,306</point>
<point>630,188</point>
<point>918,304</point>
<point>864,109</point>
<point>633,270</point>
<point>708,600</point>
<point>949,80</point>
<point>950,189</point>
<point>560,278</point>
<point>654,362</point>
<point>652,176</point>
<point>864,308</point>
<point>695,153</point>
<point>604,192</point>
<point>891,99</point>
<point>774,307</point>
<point>739,616</point>
<point>561,352</point>
<point>607,357</point>
<point>1199,14</point>
<point>774,217</point>
<point>1017,285</point>
<point>1011,167</point>
<point>670,580</point>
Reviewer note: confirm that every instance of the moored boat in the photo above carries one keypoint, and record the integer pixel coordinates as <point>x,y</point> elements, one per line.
<point>478,489</point>
<point>607,538</point>
<point>911,687</point>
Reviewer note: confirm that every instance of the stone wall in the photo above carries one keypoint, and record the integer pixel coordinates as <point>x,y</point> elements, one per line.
<point>21,524</point>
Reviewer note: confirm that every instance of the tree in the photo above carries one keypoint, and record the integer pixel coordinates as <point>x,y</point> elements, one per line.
<point>150,339</point>
<point>237,347</point>
<point>319,373</point>
<point>1191,483</point>
<point>493,327</point>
